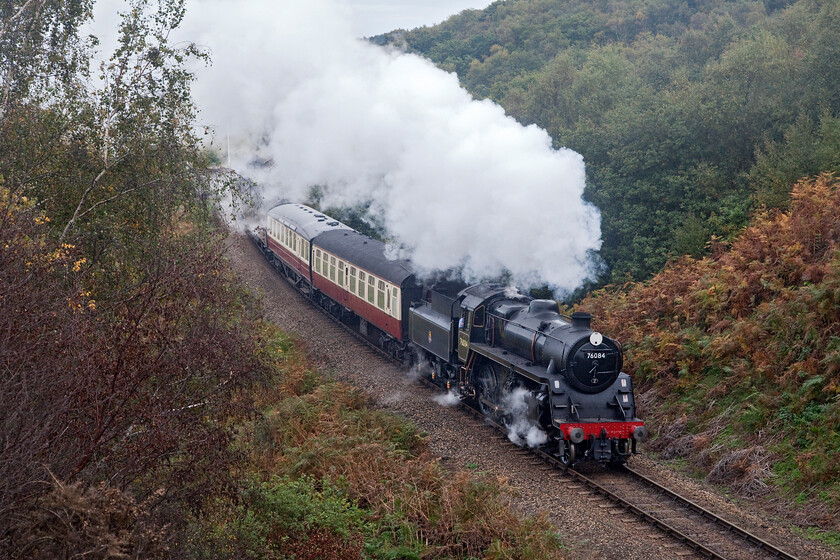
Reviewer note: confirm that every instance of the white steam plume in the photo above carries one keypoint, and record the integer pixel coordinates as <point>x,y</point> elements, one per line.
<point>455,181</point>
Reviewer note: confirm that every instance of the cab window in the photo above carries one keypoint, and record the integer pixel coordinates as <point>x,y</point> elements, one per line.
<point>478,317</point>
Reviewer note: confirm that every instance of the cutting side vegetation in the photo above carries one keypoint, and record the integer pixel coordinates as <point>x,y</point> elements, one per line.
<point>739,353</point>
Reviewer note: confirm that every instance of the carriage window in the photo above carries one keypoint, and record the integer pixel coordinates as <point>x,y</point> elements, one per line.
<point>380,300</point>
<point>361,284</point>
<point>341,273</point>
<point>395,302</point>
<point>353,279</point>
<point>332,268</point>
<point>371,287</point>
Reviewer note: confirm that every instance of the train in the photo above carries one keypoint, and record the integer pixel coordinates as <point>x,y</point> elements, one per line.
<point>514,357</point>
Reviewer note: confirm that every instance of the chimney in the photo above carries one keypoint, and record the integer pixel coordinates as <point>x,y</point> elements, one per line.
<point>581,321</point>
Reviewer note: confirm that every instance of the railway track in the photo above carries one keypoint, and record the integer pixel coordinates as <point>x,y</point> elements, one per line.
<point>698,530</point>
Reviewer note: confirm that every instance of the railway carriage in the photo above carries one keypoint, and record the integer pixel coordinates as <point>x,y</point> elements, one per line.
<point>343,271</point>
<point>351,269</point>
<point>288,236</point>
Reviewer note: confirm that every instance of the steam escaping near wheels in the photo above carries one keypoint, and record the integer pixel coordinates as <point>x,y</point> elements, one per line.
<point>450,398</point>
<point>522,430</point>
<point>549,377</point>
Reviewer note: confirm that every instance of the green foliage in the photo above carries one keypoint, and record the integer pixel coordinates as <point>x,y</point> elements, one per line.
<point>128,342</point>
<point>807,148</point>
<point>689,116</point>
<point>40,48</point>
<point>829,537</point>
<point>284,518</point>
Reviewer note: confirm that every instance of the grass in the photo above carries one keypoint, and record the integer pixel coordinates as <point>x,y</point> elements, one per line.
<point>831,538</point>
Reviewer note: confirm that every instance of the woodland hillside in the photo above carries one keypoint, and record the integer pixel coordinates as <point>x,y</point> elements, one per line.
<point>690,115</point>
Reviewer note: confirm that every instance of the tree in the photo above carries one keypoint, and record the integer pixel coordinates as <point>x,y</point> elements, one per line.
<point>39,47</point>
<point>125,339</point>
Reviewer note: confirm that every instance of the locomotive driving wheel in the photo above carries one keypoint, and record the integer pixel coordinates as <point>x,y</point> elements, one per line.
<point>487,390</point>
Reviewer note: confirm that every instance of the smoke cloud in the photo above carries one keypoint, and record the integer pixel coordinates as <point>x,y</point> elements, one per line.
<point>456,182</point>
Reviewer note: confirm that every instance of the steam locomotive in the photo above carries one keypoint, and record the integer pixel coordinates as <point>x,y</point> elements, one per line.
<point>509,354</point>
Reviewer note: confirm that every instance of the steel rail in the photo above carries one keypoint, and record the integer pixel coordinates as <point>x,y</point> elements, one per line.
<point>712,517</point>
<point>612,496</point>
<point>648,517</point>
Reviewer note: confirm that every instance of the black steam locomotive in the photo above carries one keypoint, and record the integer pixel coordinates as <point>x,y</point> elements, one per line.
<point>512,355</point>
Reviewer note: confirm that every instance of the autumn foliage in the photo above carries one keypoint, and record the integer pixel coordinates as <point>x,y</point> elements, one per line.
<point>135,386</point>
<point>738,354</point>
